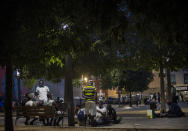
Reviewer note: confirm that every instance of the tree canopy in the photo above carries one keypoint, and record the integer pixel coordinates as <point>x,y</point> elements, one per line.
<point>165,24</point>
<point>36,35</point>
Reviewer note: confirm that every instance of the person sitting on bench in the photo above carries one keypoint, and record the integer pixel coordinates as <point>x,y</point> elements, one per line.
<point>174,109</point>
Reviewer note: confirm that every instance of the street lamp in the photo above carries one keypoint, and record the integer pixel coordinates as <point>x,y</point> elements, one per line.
<point>85,79</point>
<point>18,79</point>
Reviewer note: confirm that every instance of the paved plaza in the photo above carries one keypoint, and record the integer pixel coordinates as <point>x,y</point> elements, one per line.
<point>132,118</point>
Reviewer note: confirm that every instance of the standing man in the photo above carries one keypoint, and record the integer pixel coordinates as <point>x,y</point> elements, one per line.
<point>90,94</point>
<point>42,92</point>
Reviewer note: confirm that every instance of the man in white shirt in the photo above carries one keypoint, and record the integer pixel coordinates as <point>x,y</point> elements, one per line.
<point>42,91</point>
<point>101,113</point>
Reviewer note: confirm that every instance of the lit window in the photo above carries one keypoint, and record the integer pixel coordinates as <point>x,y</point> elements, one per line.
<point>186,78</point>
<point>173,79</point>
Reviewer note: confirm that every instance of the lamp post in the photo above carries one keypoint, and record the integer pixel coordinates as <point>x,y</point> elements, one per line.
<point>19,91</point>
<point>119,95</point>
<point>117,75</point>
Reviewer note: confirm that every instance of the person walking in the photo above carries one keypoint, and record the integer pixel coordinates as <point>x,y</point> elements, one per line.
<point>159,97</point>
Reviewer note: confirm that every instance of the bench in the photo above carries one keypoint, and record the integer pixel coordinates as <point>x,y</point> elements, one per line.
<point>42,112</point>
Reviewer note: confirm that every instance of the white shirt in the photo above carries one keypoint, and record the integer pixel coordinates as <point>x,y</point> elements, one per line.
<point>103,110</point>
<point>43,91</point>
<point>29,103</point>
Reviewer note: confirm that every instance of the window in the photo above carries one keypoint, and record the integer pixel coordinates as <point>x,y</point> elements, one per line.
<point>185,69</point>
<point>186,78</point>
<point>173,78</point>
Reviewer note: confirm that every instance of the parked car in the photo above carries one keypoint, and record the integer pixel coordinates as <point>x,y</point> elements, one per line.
<point>134,99</point>
<point>112,100</point>
<point>185,96</point>
<point>79,100</point>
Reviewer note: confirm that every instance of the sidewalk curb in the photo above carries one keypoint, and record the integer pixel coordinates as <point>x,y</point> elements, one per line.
<point>41,128</point>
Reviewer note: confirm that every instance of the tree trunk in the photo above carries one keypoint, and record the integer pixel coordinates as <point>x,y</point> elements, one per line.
<point>69,89</point>
<point>163,103</point>
<point>8,98</point>
<point>19,91</point>
<point>119,96</point>
<point>141,96</point>
<point>130,102</point>
<point>169,86</point>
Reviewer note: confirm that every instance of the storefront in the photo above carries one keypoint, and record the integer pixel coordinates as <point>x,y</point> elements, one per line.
<point>181,88</point>
<point>182,92</point>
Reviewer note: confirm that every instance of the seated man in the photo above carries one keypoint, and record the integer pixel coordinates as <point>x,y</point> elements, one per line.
<point>111,115</point>
<point>77,108</point>
<point>60,106</point>
<point>29,102</point>
<point>32,101</point>
<point>49,102</point>
<point>174,110</point>
<point>101,113</point>
<point>81,116</point>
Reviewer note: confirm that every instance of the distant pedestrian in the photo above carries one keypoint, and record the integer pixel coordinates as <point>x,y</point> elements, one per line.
<point>153,107</point>
<point>137,100</point>
<point>159,97</point>
<point>154,96</point>
<point>181,95</point>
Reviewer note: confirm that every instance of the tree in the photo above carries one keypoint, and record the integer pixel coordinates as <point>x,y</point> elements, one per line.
<point>135,80</point>
<point>21,41</point>
<point>37,35</point>
<point>164,23</point>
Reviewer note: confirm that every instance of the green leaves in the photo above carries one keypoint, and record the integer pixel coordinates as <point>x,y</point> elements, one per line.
<point>55,60</point>
<point>39,34</point>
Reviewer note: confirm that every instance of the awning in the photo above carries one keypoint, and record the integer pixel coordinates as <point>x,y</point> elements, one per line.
<point>182,88</point>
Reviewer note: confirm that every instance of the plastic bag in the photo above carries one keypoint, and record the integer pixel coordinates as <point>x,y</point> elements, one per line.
<point>150,114</point>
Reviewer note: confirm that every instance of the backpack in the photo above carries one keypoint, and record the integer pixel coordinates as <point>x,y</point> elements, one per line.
<point>81,115</point>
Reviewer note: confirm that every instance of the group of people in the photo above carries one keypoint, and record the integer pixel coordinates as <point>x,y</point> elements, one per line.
<point>41,97</point>
<point>94,111</point>
<point>174,110</point>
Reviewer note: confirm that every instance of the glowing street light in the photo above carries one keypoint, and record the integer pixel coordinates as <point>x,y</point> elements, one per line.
<point>85,79</point>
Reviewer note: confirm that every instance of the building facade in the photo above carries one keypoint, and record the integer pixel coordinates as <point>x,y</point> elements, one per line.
<point>179,79</point>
